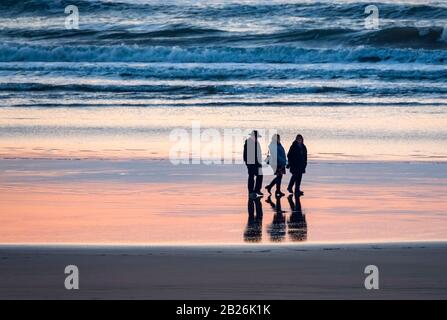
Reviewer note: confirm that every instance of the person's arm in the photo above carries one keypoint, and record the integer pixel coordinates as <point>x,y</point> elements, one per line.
<point>305,157</point>
<point>283,155</point>
<point>293,154</point>
<point>245,152</point>
<point>258,154</point>
<point>289,157</point>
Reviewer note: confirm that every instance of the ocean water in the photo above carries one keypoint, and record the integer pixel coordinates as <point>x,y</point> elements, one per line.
<point>134,70</point>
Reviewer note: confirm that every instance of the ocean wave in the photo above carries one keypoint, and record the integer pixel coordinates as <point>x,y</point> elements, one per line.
<point>322,24</point>
<point>268,54</point>
<point>222,71</point>
<point>233,103</point>
<point>404,37</point>
<point>394,36</point>
<point>184,35</point>
<point>230,9</point>
<point>198,89</point>
<point>177,34</point>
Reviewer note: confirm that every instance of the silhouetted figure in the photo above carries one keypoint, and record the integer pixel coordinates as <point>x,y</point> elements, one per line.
<point>297,157</point>
<point>253,231</point>
<point>297,225</point>
<point>277,160</point>
<point>277,229</point>
<point>253,161</point>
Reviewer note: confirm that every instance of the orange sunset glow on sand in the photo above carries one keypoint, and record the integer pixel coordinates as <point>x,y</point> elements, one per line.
<point>117,203</point>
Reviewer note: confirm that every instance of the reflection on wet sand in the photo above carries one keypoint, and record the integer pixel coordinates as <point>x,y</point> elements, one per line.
<point>277,229</point>
<point>296,226</point>
<point>253,231</point>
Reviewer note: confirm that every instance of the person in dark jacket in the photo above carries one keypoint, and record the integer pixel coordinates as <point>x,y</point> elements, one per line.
<point>297,157</point>
<point>253,161</point>
<point>277,161</point>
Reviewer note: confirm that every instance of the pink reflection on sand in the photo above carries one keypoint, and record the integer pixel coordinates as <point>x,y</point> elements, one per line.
<point>193,213</point>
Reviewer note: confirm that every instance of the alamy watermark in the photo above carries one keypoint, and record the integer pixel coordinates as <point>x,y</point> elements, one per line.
<point>72,280</point>
<point>72,20</point>
<point>372,280</point>
<point>372,20</point>
<point>213,146</point>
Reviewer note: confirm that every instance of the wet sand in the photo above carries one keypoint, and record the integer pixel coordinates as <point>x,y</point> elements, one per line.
<point>330,271</point>
<point>155,202</point>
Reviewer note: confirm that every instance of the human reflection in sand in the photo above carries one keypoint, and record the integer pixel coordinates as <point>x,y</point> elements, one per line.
<point>253,231</point>
<point>277,229</point>
<point>297,226</point>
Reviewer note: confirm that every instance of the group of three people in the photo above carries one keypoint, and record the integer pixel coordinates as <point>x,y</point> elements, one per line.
<point>295,161</point>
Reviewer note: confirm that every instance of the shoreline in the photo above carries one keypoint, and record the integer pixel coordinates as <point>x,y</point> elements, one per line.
<point>230,246</point>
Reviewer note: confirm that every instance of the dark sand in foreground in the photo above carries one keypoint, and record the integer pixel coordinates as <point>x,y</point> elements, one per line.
<point>414,270</point>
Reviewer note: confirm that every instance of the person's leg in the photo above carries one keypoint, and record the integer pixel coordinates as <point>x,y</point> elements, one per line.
<point>278,182</point>
<point>298,178</point>
<point>251,180</point>
<point>258,185</point>
<point>291,183</point>
<point>272,183</point>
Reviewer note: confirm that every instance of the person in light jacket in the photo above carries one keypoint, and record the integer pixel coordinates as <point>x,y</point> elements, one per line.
<point>277,161</point>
